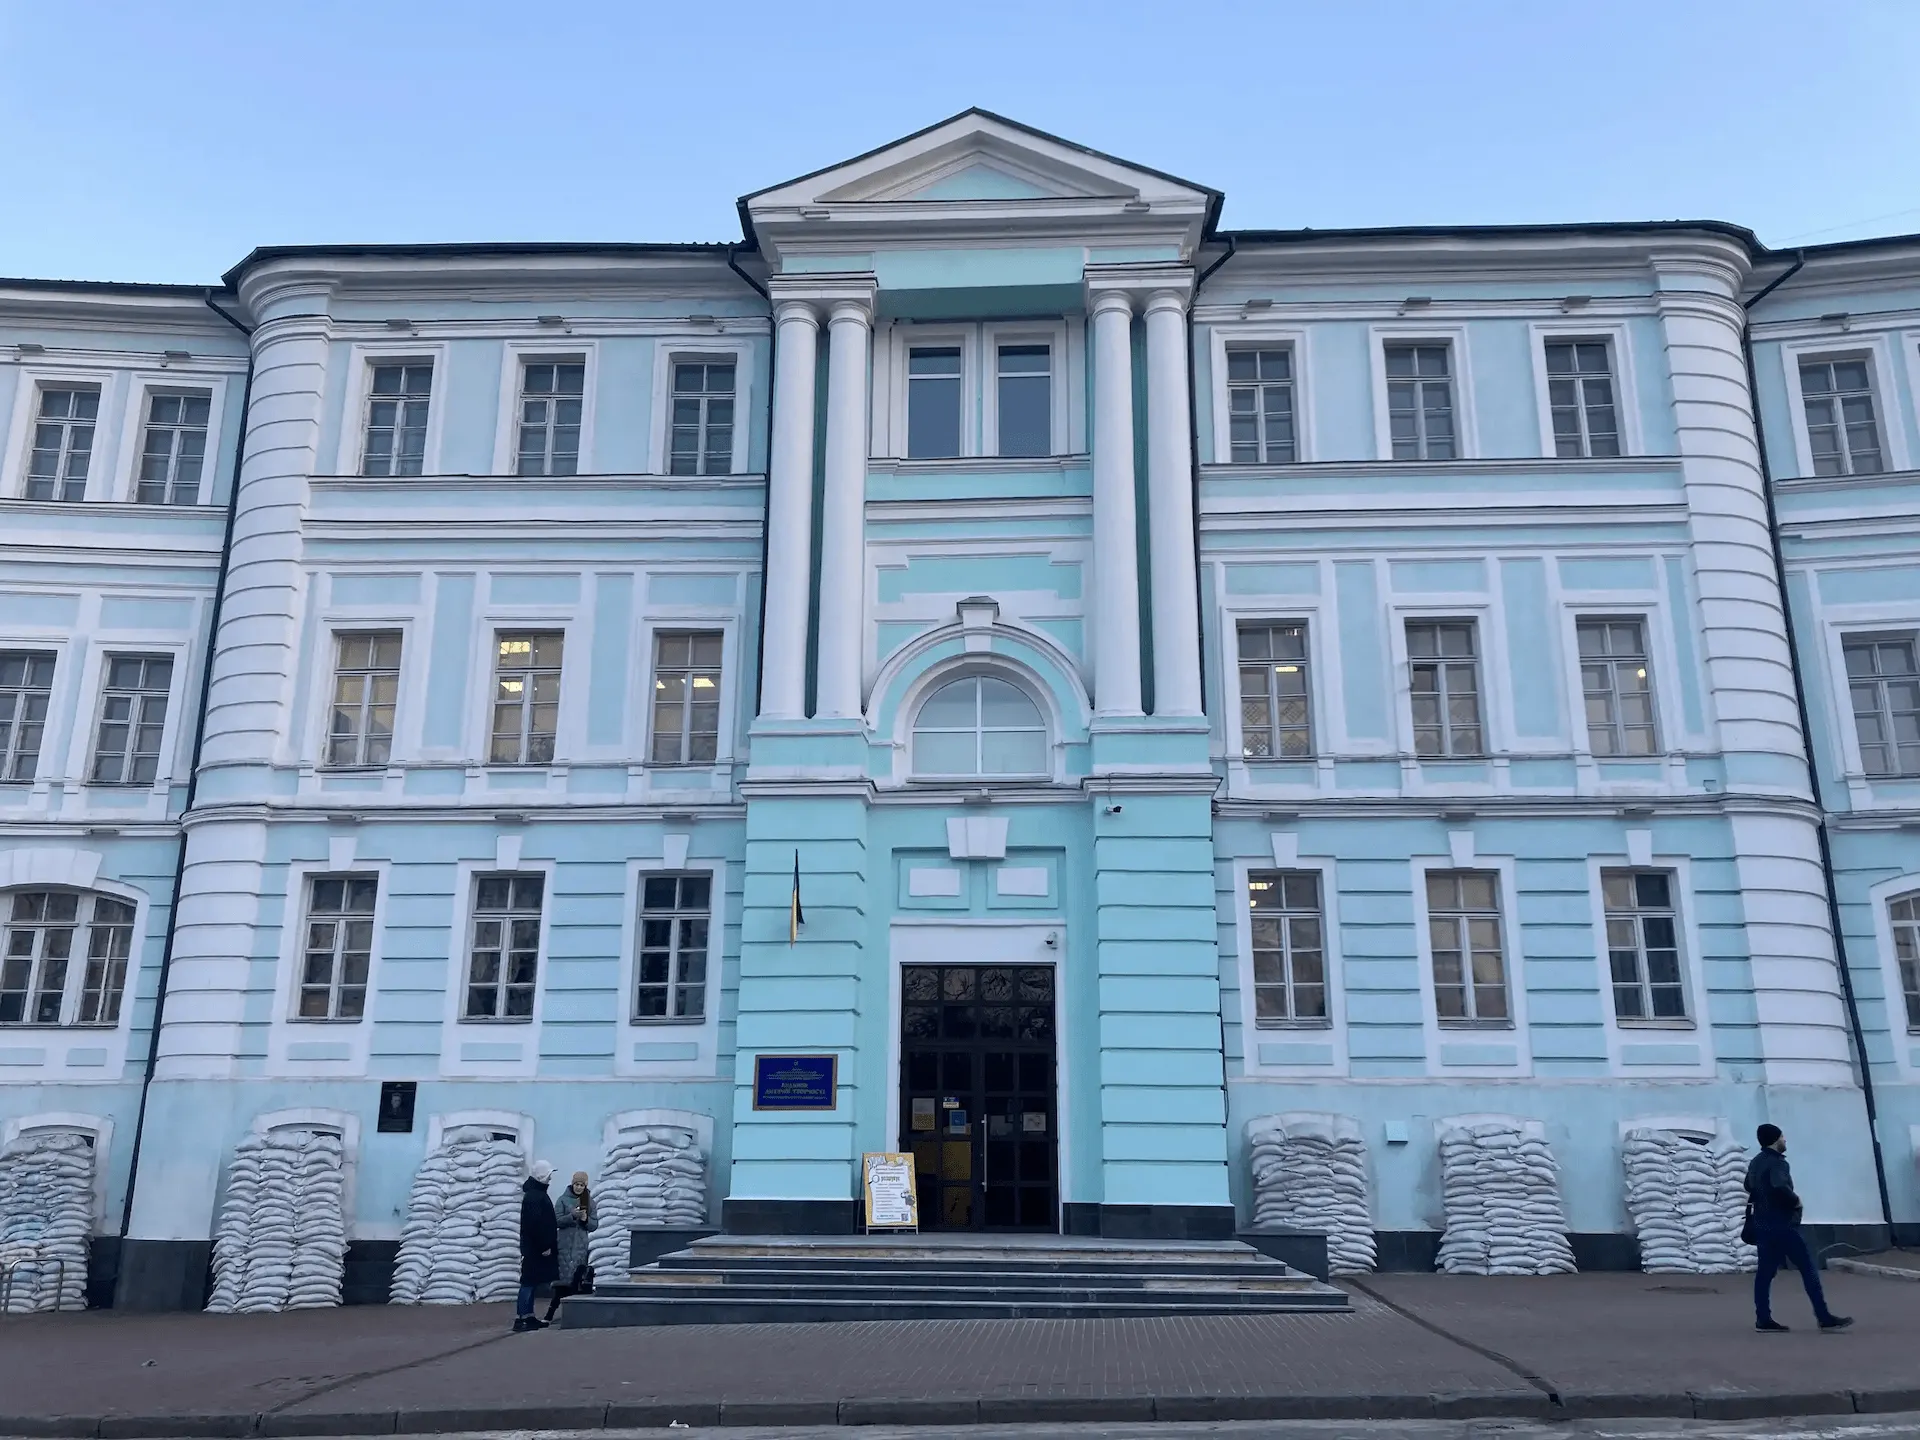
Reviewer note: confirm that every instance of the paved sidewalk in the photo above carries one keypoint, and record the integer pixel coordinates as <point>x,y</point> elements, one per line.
<point>1430,1347</point>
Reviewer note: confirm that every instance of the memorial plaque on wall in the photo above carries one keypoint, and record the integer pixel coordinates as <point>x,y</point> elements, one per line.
<point>795,1082</point>
<point>396,1106</point>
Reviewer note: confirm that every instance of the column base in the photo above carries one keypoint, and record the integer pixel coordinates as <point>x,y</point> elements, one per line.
<point>1148,1222</point>
<point>161,1275</point>
<point>789,1217</point>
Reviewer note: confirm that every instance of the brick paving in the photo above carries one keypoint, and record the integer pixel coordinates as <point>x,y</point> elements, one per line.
<point>1608,1343</point>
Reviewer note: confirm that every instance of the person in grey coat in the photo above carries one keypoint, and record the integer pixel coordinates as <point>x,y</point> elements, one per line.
<point>577,1217</point>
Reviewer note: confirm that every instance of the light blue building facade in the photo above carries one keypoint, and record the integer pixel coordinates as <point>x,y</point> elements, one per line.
<point>1187,676</point>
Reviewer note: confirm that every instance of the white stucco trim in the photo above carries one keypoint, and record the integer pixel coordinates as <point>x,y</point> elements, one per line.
<point>954,941</point>
<point>99,1128</point>
<point>1333,1033</point>
<point>1697,1028</point>
<point>1384,333</point>
<point>144,384</point>
<point>101,1049</point>
<point>1618,338</point>
<point>515,356</point>
<point>1223,334</point>
<point>457,1033</point>
<point>693,347</point>
<point>362,356</point>
<point>112,383</point>
<point>511,1122</point>
<point>85,731</point>
<point>1326,717</point>
<point>638,743</point>
<point>704,1033</point>
<point>311,735</point>
<point>1495,679</point>
<point>1877,350</point>
<point>1839,624</point>
<point>1065,379</point>
<point>1512,940</point>
<point>343,1123</point>
<point>890,398</point>
<point>1648,607</point>
<point>286,1030</point>
<point>1903,1041</point>
<point>493,618</point>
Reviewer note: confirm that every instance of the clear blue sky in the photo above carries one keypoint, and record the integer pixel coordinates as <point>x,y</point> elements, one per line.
<point>161,141</point>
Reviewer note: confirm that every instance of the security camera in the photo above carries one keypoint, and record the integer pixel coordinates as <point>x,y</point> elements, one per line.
<point>1113,809</point>
<point>1053,940</point>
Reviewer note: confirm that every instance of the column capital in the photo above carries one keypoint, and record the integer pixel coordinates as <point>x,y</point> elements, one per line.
<point>803,312</point>
<point>850,308</point>
<point>825,293</point>
<point>1174,300</point>
<point>1101,302</point>
<point>1143,287</point>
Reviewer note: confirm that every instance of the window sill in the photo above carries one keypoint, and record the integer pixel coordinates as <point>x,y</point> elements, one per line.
<point>1477,1025</point>
<point>1294,1025</point>
<point>494,1020</point>
<point>1655,1024</point>
<point>376,769</point>
<point>92,1027</point>
<point>666,1022</point>
<point>326,1020</point>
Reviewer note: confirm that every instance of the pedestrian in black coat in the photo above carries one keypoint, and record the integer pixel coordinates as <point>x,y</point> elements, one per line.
<point>539,1245</point>
<point>1773,1220</point>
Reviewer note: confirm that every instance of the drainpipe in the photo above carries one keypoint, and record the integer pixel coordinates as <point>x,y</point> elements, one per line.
<point>766,509</point>
<point>193,774</point>
<point>1806,741</point>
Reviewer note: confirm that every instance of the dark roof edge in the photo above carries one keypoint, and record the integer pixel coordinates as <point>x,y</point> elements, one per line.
<point>1841,247</point>
<point>115,287</point>
<point>1496,232</point>
<point>260,254</point>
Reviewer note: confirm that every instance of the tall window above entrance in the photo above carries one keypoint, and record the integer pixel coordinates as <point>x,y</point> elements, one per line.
<point>933,402</point>
<point>979,726</point>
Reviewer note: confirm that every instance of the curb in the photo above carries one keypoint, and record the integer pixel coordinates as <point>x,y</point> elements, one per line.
<point>1171,1409</point>
<point>1867,1267</point>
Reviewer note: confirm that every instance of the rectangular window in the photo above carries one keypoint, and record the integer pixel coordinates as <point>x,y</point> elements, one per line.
<point>675,914</point>
<point>1885,685</point>
<point>1904,914</point>
<point>397,407</point>
<point>1276,719</point>
<point>702,440</point>
<point>1618,686</point>
<point>1289,948</point>
<point>1445,673</point>
<point>503,959</point>
<point>133,715</point>
<point>1580,395</point>
<point>26,688</point>
<point>366,684</point>
<point>552,393</point>
<point>1842,432</point>
<point>1469,961</point>
<point>526,700</point>
<point>1420,402</point>
<point>63,443</point>
<point>1643,945</point>
<point>933,402</point>
<point>686,697</point>
<point>1260,406</point>
<point>37,953</point>
<point>339,950</point>
<point>1025,400</point>
<point>174,450</point>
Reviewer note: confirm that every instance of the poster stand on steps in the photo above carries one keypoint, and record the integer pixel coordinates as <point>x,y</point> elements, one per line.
<point>887,1182</point>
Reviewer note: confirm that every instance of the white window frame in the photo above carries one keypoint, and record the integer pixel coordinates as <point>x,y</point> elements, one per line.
<point>144,385</point>
<point>905,336</point>
<point>103,651</point>
<point>9,728</point>
<point>515,356</point>
<point>957,667</point>
<point>1333,1033</point>
<point>490,660</point>
<point>1656,689</point>
<point>654,632</point>
<point>994,334</point>
<point>635,747</point>
<point>1844,699</point>
<point>456,1032</point>
<point>1877,351</point>
<point>1697,1029</point>
<point>107,431</point>
<point>1840,624</point>
<point>1618,339</point>
<point>703,1034</point>
<point>1492,738</point>
<point>39,867</point>
<point>350,445</point>
<point>353,1038</point>
<point>1050,734</point>
<point>331,631</point>
<point>1460,362</point>
<point>1229,335</point>
<point>1512,938</point>
<point>464,975</point>
<point>338,952</point>
<point>73,987</point>
<point>720,350</point>
<point>1308,621</point>
<point>1905,1044</point>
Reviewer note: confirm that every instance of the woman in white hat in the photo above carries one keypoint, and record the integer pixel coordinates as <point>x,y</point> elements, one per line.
<point>539,1240</point>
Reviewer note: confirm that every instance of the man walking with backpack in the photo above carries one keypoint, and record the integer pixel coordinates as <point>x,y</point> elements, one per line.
<point>1773,1226</point>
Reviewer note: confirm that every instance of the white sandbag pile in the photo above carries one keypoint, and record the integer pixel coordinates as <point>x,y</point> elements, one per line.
<point>656,1177</point>
<point>461,1240</point>
<point>281,1240</point>
<point>1502,1193</point>
<point>1310,1173</point>
<point>1688,1200</point>
<point>46,1221</point>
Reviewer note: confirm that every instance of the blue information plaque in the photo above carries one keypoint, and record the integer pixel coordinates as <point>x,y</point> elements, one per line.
<point>794,1082</point>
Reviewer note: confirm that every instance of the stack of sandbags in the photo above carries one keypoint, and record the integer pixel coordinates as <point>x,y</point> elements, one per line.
<point>461,1240</point>
<point>1688,1199</point>
<point>1501,1188</point>
<point>281,1240</point>
<point>46,1220</point>
<point>1310,1173</point>
<point>654,1177</point>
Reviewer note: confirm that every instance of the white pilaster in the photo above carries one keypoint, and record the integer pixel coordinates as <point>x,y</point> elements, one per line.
<point>1176,606</point>
<point>783,692</point>
<point>843,510</point>
<point>1116,585</point>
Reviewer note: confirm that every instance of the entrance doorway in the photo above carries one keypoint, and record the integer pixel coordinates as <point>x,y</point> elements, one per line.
<point>978,1095</point>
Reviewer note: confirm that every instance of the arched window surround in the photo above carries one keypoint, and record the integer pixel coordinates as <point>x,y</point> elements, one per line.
<point>984,710</point>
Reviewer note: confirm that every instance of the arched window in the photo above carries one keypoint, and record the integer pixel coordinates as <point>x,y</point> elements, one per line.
<point>1903,911</point>
<point>979,725</point>
<point>63,957</point>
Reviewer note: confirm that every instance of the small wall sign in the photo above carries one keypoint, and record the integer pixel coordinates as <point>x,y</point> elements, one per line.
<point>795,1082</point>
<point>396,1106</point>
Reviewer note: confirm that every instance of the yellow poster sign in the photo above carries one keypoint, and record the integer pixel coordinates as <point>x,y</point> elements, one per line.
<point>887,1179</point>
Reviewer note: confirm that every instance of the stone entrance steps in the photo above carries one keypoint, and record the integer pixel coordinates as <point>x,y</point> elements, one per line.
<point>749,1280</point>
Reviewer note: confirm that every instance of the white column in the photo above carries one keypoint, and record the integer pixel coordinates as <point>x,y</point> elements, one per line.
<point>843,511</point>
<point>1176,606</point>
<point>783,693</point>
<point>1116,584</point>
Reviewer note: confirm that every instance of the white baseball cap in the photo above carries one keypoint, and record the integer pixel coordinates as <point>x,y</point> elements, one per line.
<point>542,1171</point>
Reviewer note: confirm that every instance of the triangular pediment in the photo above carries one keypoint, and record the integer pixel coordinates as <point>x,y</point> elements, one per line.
<point>977,159</point>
